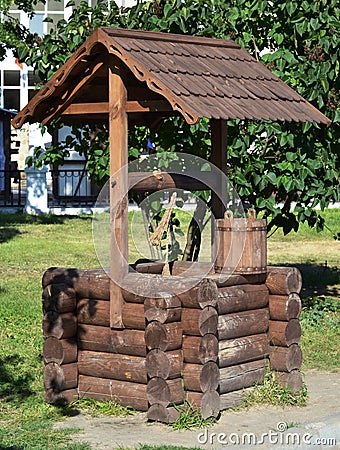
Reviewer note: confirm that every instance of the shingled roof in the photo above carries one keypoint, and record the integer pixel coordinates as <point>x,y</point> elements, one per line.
<point>197,76</point>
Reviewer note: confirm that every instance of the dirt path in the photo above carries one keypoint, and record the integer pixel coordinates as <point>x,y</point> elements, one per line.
<point>320,417</point>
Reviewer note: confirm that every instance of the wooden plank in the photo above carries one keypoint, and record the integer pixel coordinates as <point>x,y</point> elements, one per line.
<point>123,392</point>
<point>132,106</point>
<point>103,339</point>
<point>193,180</point>
<point>118,197</point>
<point>241,350</point>
<point>243,323</point>
<point>113,366</point>
<point>241,376</point>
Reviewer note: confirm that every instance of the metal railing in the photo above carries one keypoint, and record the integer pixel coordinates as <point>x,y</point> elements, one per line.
<point>72,187</point>
<point>12,188</point>
<point>67,187</point>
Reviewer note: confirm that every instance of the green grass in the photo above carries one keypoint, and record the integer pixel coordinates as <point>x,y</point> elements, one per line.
<point>29,245</point>
<point>190,418</point>
<point>272,393</point>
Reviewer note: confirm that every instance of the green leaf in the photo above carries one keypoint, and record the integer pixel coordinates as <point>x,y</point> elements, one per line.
<point>271,177</point>
<point>290,140</point>
<point>290,156</point>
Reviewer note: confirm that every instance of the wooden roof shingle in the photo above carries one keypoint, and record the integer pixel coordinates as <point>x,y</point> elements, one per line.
<point>198,76</point>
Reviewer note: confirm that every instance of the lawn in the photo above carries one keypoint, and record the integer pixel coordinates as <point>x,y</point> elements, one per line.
<point>29,245</point>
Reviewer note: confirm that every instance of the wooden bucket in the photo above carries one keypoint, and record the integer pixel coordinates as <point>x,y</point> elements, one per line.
<point>242,244</point>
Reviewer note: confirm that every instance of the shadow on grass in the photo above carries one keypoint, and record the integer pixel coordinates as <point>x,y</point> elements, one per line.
<point>8,233</point>
<point>319,280</point>
<point>48,219</point>
<point>12,382</point>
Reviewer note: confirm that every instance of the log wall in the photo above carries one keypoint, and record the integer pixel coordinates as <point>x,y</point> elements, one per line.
<point>60,351</point>
<point>207,344</point>
<point>164,360</point>
<point>284,285</point>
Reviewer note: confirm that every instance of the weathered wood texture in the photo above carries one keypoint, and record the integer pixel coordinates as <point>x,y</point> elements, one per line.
<point>61,398</point>
<point>285,359</point>
<point>244,349</point>
<point>284,307</point>
<point>200,350</point>
<point>93,312</point>
<point>227,279</point>
<point>115,366</point>
<point>189,268</point>
<point>164,392</point>
<point>60,326</point>
<point>207,402</point>
<point>123,392</point>
<point>198,322</point>
<point>89,283</point>
<point>291,380</point>
<point>232,399</point>
<point>177,268</point>
<point>164,414</point>
<point>103,339</point>
<point>243,323</point>
<point>60,351</point>
<point>202,295</point>
<point>283,280</point>
<point>59,378</point>
<point>194,292</point>
<point>284,333</point>
<point>242,298</point>
<point>190,181</point>
<point>97,312</point>
<point>201,377</point>
<point>167,336</point>
<point>118,134</point>
<point>218,157</point>
<point>166,365</point>
<point>241,376</point>
<point>59,297</point>
<point>133,316</point>
<point>163,310</point>
<point>242,245</point>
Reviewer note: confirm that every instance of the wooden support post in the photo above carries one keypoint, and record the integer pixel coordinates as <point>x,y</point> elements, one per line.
<point>219,159</point>
<point>118,191</point>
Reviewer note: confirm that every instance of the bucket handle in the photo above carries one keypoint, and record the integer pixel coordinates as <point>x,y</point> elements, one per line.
<point>228,215</point>
<point>251,213</point>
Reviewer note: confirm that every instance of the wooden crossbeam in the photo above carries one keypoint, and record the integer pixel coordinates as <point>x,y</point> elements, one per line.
<point>132,106</point>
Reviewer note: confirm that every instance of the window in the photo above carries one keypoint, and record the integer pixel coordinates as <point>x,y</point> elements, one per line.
<point>37,24</point>
<point>55,5</point>
<point>33,79</point>
<point>11,78</point>
<point>12,99</point>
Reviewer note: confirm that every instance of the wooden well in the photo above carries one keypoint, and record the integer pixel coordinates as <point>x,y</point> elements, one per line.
<point>216,338</point>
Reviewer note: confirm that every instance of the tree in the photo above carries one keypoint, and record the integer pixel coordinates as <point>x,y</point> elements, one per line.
<point>270,164</point>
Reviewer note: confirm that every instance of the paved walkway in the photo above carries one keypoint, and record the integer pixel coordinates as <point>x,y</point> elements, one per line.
<point>316,426</point>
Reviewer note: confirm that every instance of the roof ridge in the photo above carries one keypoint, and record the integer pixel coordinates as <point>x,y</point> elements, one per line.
<point>169,37</point>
